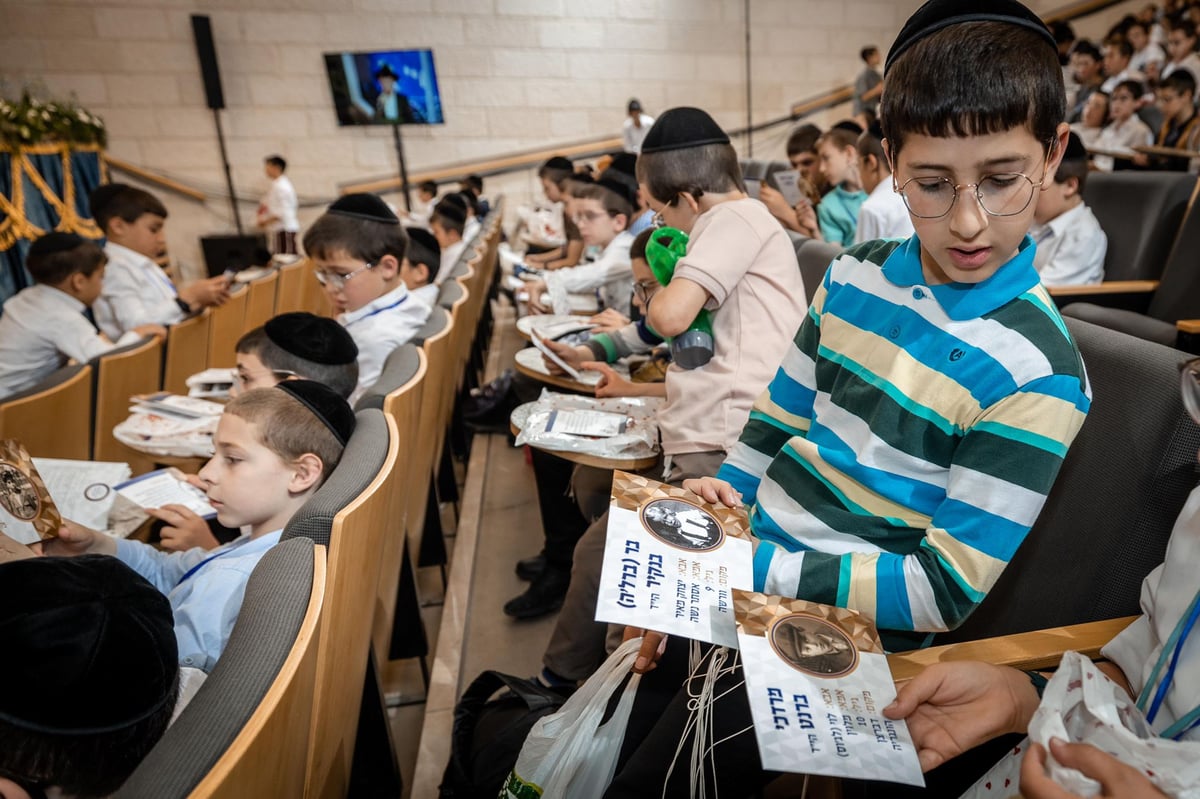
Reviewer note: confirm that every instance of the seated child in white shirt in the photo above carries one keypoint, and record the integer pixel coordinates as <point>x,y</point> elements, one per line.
<point>883,214</point>
<point>421,263</point>
<point>1070,243</point>
<point>136,290</point>
<point>51,321</point>
<point>274,448</point>
<point>448,223</point>
<point>1125,130</point>
<point>357,246</point>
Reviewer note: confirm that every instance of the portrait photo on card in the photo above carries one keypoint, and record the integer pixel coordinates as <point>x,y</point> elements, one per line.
<point>25,504</point>
<point>814,646</point>
<point>682,525</point>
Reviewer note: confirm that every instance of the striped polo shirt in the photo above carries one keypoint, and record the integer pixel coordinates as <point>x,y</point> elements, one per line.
<point>909,438</point>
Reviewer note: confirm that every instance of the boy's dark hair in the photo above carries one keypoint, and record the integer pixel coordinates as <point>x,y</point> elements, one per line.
<point>423,250</point>
<point>428,186</point>
<point>1087,48</point>
<point>1137,23</point>
<point>613,202</point>
<point>1134,87</point>
<point>475,183</point>
<point>1074,168</point>
<point>556,170</point>
<point>867,52</point>
<point>342,378</point>
<point>1186,26</point>
<point>693,170</point>
<point>276,161</point>
<point>447,215</point>
<point>869,144</point>
<point>974,79</point>
<point>1062,31</point>
<point>1180,81</point>
<point>1122,46</point>
<point>361,239</point>
<point>637,250</point>
<point>56,256</point>
<point>124,202</point>
<point>803,139</point>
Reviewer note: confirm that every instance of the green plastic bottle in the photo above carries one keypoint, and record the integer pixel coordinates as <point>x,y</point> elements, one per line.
<point>693,347</point>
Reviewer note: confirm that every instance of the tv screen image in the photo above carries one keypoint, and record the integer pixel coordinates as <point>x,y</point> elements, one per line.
<point>384,87</point>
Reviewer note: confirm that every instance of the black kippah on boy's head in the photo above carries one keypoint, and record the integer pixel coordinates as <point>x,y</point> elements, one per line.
<point>1075,150</point>
<point>325,403</point>
<point>314,338</point>
<point>625,163</point>
<point>364,206</point>
<point>423,247</point>
<point>55,242</point>
<point>619,185</point>
<point>451,209</point>
<point>102,196</point>
<point>938,14</point>
<point>683,127</point>
<point>559,162</point>
<point>89,646</point>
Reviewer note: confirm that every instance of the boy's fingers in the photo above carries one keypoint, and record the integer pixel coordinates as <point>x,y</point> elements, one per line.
<point>650,651</point>
<point>1092,762</point>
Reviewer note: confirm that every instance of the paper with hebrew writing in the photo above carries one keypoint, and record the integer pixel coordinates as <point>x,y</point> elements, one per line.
<point>671,561</point>
<point>817,681</point>
<point>27,513</point>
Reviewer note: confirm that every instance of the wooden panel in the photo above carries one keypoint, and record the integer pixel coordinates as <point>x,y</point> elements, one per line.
<point>429,436</point>
<point>289,291</point>
<point>1107,287</point>
<point>316,299</point>
<point>268,757</point>
<point>119,377</point>
<point>55,422</point>
<point>227,326</point>
<point>260,302</point>
<point>187,352</point>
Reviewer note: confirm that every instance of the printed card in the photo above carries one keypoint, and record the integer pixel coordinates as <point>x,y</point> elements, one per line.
<point>672,560</point>
<point>818,681</point>
<point>27,513</point>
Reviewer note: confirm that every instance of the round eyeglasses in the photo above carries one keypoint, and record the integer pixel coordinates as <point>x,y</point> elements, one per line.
<point>337,282</point>
<point>1001,194</point>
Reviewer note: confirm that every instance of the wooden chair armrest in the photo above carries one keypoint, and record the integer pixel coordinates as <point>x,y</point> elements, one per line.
<point>1107,287</point>
<point>1039,649</point>
<point>1189,326</point>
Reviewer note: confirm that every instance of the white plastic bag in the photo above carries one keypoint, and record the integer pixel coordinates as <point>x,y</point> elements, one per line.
<point>569,753</point>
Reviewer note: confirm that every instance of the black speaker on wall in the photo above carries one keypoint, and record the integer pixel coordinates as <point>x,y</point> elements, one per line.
<point>207,52</point>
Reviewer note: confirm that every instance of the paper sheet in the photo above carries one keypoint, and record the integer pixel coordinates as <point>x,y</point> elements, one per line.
<point>83,489</point>
<point>536,338</point>
<point>596,424</point>
<point>164,487</point>
<point>788,181</point>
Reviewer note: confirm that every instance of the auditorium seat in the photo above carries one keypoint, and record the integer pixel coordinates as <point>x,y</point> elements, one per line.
<point>186,353</point>
<point>260,301</point>
<point>120,374</point>
<point>814,258</point>
<point>225,328</point>
<point>450,292</point>
<point>289,290</point>
<point>54,418</point>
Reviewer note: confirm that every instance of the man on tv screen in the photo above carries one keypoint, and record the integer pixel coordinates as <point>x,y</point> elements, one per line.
<point>391,104</point>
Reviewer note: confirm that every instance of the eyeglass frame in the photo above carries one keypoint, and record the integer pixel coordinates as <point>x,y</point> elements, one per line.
<point>641,289</point>
<point>591,216</point>
<point>338,282</point>
<point>1033,187</point>
<point>240,382</point>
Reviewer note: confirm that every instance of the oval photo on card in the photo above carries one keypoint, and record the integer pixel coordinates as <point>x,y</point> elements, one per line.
<point>813,646</point>
<point>17,494</point>
<point>682,525</point>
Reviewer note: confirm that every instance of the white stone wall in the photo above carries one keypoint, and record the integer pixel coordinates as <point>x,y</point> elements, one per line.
<point>514,74</point>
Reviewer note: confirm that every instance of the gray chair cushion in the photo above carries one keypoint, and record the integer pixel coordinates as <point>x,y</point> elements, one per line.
<point>450,293</point>
<point>273,609</point>
<point>1140,212</point>
<point>362,460</point>
<point>1178,295</point>
<point>755,169</point>
<point>436,323</point>
<point>398,369</point>
<point>1128,322</point>
<point>814,258</point>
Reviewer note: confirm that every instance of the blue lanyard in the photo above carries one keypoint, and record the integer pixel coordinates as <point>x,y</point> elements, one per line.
<point>1171,651</point>
<point>201,565</point>
<point>398,302</point>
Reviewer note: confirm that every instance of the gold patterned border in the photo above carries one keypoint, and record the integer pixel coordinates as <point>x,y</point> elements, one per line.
<point>48,520</point>
<point>632,491</point>
<point>755,612</point>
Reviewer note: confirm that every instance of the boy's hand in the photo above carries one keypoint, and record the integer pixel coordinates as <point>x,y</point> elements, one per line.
<point>205,293</point>
<point>1117,780</point>
<point>573,355</point>
<point>610,320</point>
<point>652,648</point>
<point>75,539</point>
<point>806,218</point>
<point>184,529</point>
<point>537,289</point>
<point>151,331</point>
<point>776,204</point>
<point>710,489</point>
<point>953,707</point>
<point>611,384</point>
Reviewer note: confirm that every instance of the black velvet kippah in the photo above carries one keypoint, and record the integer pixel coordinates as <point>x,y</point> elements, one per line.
<point>88,646</point>
<point>850,126</point>
<point>364,206</point>
<point>423,248</point>
<point>1075,150</point>
<point>625,163</point>
<point>683,127</point>
<point>559,162</point>
<point>618,184</point>
<point>451,209</point>
<point>55,242</point>
<point>314,338</point>
<point>938,14</point>
<point>326,404</point>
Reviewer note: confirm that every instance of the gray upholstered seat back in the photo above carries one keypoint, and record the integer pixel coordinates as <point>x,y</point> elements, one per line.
<point>275,603</point>
<point>364,456</point>
<point>1106,522</point>
<point>814,258</point>
<point>398,369</point>
<point>55,378</point>
<point>1140,213</point>
<point>755,170</point>
<point>436,323</point>
<point>450,293</point>
<point>1178,295</point>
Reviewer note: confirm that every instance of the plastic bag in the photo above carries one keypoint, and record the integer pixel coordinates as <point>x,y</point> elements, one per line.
<point>570,754</point>
<point>638,440</point>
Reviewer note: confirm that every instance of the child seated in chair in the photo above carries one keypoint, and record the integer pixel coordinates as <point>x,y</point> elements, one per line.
<point>274,449</point>
<point>1071,245</point>
<point>51,322</point>
<point>448,224</point>
<point>421,263</point>
<point>136,290</point>
<point>357,247</point>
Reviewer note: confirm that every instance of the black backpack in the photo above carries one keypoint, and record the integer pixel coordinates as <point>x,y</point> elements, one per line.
<point>488,733</point>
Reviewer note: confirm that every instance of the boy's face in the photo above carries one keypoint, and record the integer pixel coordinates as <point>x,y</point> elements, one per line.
<point>414,275</point>
<point>365,285</point>
<point>874,59</point>
<point>836,163</point>
<point>1086,68</point>
<point>596,226</point>
<point>679,214</point>
<point>1179,45</point>
<point>1095,111</point>
<point>1137,37</point>
<point>424,196</point>
<point>1057,199</point>
<point>967,244</point>
<point>445,237</point>
<point>550,189</point>
<point>246,482</point>
<point>272,171</point>
<point>1114,60</point>
<point>645,285</point>
<point>1122,104</point>
<point>807,164</point>
<point>145,235</point>
<point>88,287</point>
<point>250,373</point>
<point>1172,103</point>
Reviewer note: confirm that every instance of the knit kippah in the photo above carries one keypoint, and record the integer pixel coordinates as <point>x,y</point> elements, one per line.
<point>938,14</point>
<point>364,206</point>
<point>314,338</point>
<point>680,128</point>
<point>423,248</point>
<point>89,646</point>
<point>326,404</point>
<point>55,242</point>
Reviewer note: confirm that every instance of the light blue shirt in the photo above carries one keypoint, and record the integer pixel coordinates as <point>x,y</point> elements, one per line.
<point>641,222</point>
<point>206,601</point>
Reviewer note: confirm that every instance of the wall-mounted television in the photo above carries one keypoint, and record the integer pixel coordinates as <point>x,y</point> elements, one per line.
<point>385,87</point>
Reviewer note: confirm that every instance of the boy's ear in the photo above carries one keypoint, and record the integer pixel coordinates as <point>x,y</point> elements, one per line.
<point>1062,133</point>
<point>887,152</point>
<point>691,201</point>
<point>76,281</point>
<point>622,220</point>
<point>388,267</point>
<point>307,472</point>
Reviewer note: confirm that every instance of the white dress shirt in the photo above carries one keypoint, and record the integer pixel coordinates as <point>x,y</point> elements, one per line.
<point>632,135</point>
<point>41,328</point>
<point>136,292</point>
<point>1121,137</point>
<point>427,294</point>
<point>883,215</point>
<point>450,256</point>
<point>1070,248</point>
<point>282,204</point>
<point>609,276</point>
<point>379,327</point>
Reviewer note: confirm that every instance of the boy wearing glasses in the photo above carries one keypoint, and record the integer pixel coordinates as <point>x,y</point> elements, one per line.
<point>909,438</point>
<point>357,247</point>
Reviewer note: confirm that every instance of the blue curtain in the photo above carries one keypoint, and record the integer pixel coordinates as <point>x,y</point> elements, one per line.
<point>43,187</point>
